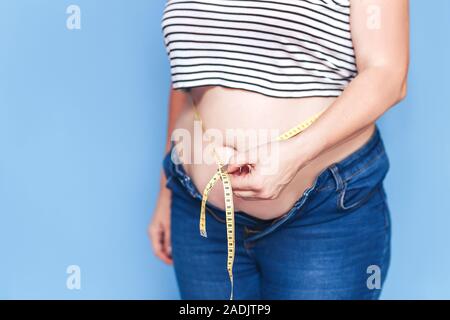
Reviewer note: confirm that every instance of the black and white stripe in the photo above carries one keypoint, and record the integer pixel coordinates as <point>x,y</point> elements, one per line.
<point>284,48</point>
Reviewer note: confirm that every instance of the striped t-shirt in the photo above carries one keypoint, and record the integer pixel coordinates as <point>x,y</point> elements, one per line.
<point>282,48</point>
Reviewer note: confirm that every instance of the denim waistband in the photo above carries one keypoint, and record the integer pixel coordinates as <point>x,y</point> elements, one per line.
<point>356,162</point>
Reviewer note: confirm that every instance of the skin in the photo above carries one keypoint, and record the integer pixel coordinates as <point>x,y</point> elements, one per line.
<point>382,56</point>
<point>159,228</point>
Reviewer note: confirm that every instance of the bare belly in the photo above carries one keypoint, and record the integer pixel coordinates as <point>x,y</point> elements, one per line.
<point>230,113</point>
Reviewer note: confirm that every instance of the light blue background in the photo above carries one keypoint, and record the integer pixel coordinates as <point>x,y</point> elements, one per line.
<point>82,129</point>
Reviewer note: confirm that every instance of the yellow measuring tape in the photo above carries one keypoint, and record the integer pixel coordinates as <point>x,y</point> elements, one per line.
<point>223,176</point>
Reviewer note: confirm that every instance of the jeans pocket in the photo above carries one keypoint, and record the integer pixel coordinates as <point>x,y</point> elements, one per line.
<point>361,186</point>
<point>349,199</point>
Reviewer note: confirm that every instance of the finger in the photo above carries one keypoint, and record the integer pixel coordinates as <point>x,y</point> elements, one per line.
<point>233,169</point>
<point>239,160</point>
<point>155,232</point>
<point>167,242</point>
<point>166,254</point>
<point>164,258</point>
<point>157,237</point>
<point>247,195</point>
<point>245,182</point>
<point>240,170</point>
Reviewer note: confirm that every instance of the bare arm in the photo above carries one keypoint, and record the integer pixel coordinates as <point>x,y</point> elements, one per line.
<point>177,102</point>
<point>159,228</point>
<point>380,30</point>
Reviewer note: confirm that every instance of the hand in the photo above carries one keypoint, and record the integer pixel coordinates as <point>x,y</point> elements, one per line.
<point>159,228</point>
<point>262,173</point>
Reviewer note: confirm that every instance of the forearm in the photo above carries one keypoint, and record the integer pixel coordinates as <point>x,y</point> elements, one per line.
<point>368,96</point>
<point>380,32</point>
<point>177,103</point>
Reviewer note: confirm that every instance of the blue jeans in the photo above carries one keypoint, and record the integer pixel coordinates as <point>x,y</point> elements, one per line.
<point>333,244</point>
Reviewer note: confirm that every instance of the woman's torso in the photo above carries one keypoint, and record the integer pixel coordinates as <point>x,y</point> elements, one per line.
<point>251,114</point>
<point>286,61</point>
